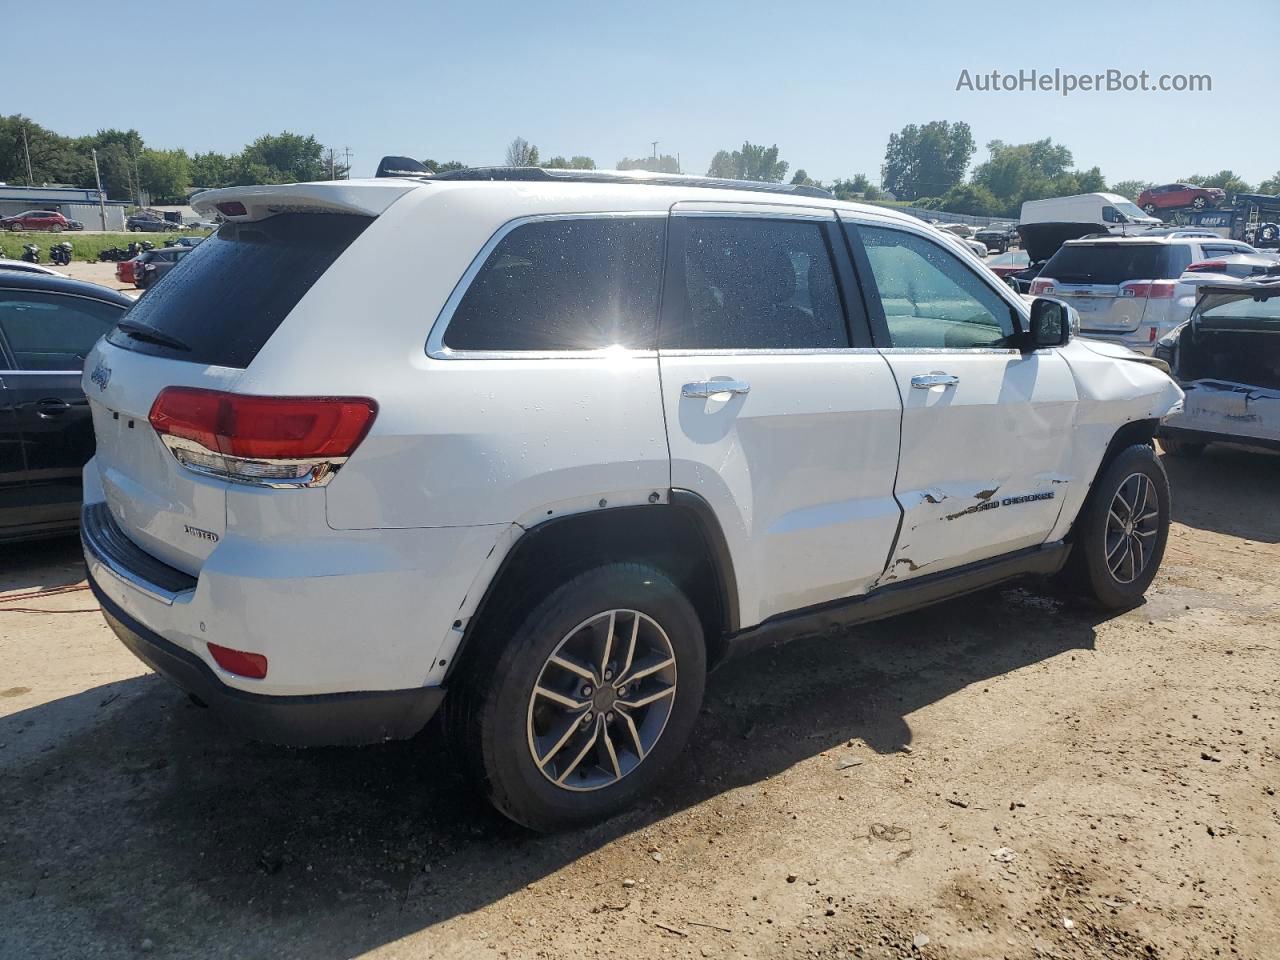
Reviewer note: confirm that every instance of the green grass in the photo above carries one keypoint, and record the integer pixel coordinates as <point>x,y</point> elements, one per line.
<point>85,246</point>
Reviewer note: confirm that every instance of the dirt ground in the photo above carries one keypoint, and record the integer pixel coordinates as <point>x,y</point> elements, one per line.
<point>1001,776</point>
<point>103,273</point>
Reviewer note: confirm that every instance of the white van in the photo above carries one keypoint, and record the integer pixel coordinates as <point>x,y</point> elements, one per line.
<point>1109,210</point>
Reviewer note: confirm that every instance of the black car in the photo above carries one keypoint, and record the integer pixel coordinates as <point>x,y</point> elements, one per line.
<point>47,327</point>
<point>998,237</point>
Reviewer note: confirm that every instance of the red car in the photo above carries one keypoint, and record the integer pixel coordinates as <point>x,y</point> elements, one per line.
<point>1015,261</point>
<point>125,271</point>
<point>1173,195</point>
<point>36,220</point>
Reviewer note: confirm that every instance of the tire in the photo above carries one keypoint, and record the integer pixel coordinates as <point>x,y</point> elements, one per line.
<point>55,229</point>
<point>1199,203</point>
<point>497,721</point>
<point>135,229</point>
<point>1150,209</point>
<point>15,227</point>
<point>1181,448</point>
<point>1095,570</point>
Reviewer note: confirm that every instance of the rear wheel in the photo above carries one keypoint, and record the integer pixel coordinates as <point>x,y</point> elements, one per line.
<point>1181,448</point>
<point>1120,534</point>
<point>1150,208</point>
<point>1199,203</point>
<point>571,713</point>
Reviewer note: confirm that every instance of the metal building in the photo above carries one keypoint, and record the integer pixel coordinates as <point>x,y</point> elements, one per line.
<point>74,203</point>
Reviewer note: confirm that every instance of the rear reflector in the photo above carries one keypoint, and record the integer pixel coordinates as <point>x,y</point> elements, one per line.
<point>285,441</point>
<point>242,664</point>
<point>232,208</point>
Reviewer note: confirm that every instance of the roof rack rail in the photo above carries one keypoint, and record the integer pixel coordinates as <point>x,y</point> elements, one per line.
<point>630,177</point>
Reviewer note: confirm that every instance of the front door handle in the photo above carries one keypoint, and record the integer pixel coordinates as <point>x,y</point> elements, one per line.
<point>710,388</point>
<point>52,407</point>
<point>928,381</point>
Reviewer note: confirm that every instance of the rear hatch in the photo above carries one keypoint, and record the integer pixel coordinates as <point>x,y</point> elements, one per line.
<point>201,326</point>
<point>1110,284</point>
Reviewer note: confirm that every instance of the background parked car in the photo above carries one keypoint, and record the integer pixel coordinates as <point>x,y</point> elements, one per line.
<point>47,326</point>
<point>183,241</point>
<point>36,220</point>
<point>24,267</point>
<point>1009,263</point>
<point>151,266</point>
<point>1125,288</point>
<point>1173,195</point>
<point>149,223</point>
<point>74,224</point>
<point>998,237</point>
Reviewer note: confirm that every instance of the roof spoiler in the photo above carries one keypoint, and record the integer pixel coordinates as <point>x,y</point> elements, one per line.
<point>257,202</point>
<point>401,167</point>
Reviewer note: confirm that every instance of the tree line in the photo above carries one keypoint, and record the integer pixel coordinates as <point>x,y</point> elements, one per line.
<point>130,168</point>
<point>924,164</point>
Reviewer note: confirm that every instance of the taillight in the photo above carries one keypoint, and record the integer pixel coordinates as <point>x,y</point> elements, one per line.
<point>1041,286</point>
<point>268,441</point>
<point>1151,290</point>
<point>232,208</point>
<point>1207,266</point>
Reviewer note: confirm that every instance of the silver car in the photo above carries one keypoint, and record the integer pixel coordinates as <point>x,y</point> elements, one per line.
<point>1126,288</point>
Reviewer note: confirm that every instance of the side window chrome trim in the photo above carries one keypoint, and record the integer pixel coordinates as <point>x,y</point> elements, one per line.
<point>765,351</point>
<point>436,349</point>
<point>38,373</point>
<point>762,211</point>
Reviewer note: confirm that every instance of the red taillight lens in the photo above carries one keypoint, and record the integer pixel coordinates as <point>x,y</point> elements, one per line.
<point>239,662</point>
<point>235,433</point>
<point>1152,290</point>
<point>232,208</point>
<point>1041,286</point>
<point>1207,266</point>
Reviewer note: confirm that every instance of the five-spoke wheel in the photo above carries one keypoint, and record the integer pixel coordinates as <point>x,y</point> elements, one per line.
<point>1133,522</point>
<point>602,700</point>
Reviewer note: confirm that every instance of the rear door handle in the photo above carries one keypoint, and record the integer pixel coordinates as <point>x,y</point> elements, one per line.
<point>52,407</point>
<point>928,381</point>
<point>710,388</point>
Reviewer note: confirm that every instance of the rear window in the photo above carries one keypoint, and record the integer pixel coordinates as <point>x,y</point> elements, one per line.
<point>226,299</point>
<point>1114,263</point>
<point>575,284</point>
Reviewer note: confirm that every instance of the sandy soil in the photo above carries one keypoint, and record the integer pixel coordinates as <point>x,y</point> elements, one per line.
<point>1003,776</point>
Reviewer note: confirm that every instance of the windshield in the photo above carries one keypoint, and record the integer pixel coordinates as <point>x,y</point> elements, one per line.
<point>1116,263</point>
<point>1132,210</point>
<point>1251,310</point>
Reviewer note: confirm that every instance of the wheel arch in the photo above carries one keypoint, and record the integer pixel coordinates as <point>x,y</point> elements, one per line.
<point>682,537</point>
<point>1128,434</point>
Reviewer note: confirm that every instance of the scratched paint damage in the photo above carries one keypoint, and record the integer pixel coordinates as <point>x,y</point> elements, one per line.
<point>1230,409</point>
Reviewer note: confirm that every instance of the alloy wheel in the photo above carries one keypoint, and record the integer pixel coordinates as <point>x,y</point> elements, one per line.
<point>1133,521</point>
<point>601,700</point>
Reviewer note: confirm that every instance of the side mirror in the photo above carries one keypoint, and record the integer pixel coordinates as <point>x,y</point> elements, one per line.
<point>1011,282</point>
<point>1050,323</point>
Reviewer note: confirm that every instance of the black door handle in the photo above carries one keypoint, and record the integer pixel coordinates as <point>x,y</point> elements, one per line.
<point>52,407</point>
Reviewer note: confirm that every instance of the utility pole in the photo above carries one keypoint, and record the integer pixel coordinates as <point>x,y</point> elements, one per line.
<point>102,203</point>
<point>26,148</point>
<point>655,148</point>
<point>346,152</point>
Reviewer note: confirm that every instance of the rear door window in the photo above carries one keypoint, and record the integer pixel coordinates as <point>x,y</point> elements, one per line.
<point>1116,263</point>
<point>47,331</point>
<point>226,300</point>
<point>581,283</point>
<point>756,284</point>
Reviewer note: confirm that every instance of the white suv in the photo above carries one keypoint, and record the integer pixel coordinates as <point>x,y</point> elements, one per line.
<point>556,443</point>
<point>1126,288</point>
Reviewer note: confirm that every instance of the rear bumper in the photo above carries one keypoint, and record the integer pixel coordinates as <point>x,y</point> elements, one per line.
<point>299,721</point>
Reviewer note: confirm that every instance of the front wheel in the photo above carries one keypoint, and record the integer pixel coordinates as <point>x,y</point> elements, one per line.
<point>1120,534</point>
<point>1199,203</point>
<point>1150,208</point>
<point>585,705</point>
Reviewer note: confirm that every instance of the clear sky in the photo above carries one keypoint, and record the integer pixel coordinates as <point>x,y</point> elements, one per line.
<point>827,81</point>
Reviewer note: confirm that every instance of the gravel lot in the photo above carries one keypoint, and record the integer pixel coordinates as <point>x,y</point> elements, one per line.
<point>1002,776</point>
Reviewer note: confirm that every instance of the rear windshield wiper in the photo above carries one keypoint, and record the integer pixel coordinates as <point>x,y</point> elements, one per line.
<point>149,334</point>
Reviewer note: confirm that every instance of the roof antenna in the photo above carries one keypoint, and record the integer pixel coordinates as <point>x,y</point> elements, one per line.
<point>401,167</point>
